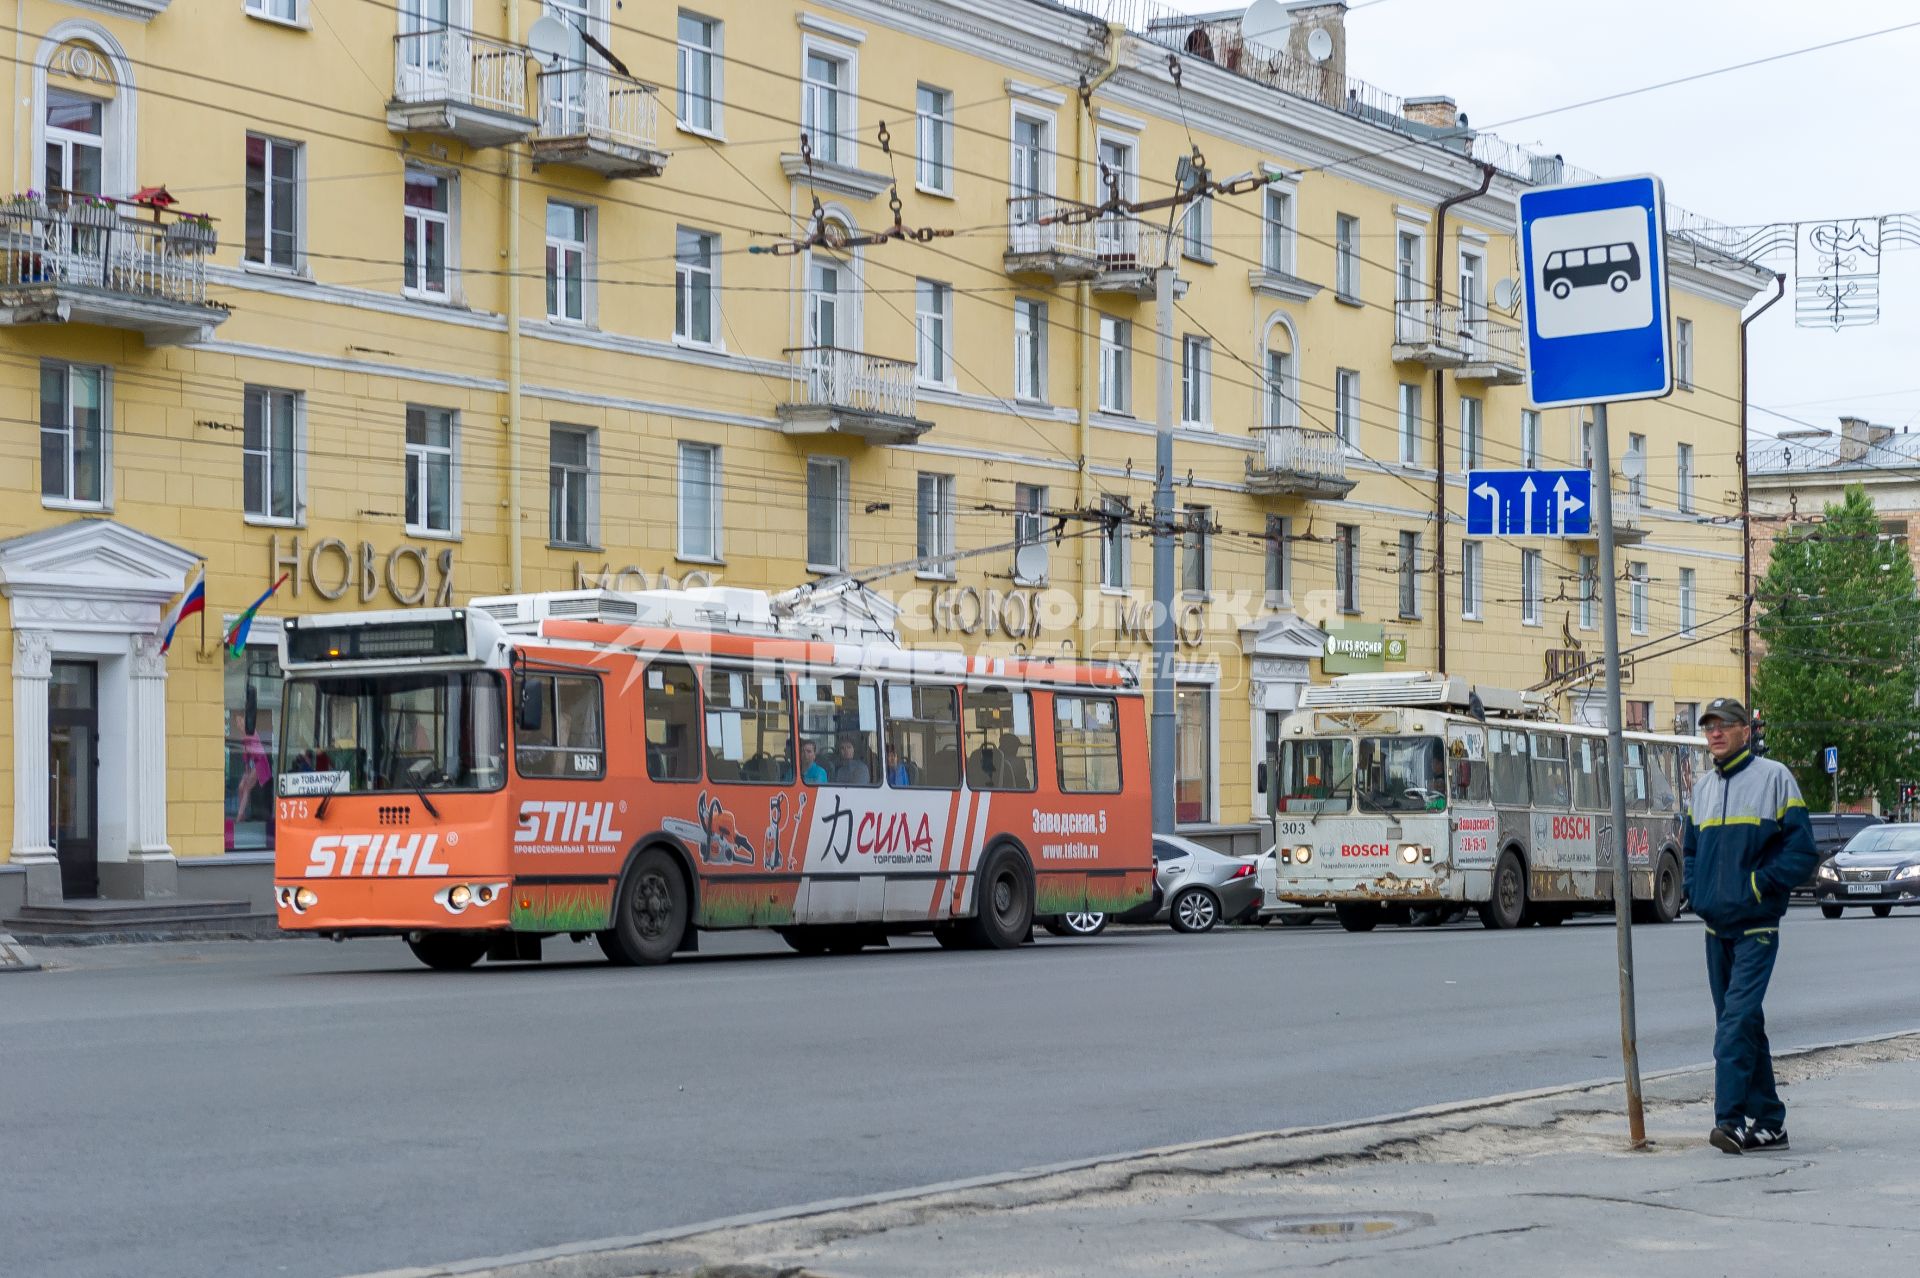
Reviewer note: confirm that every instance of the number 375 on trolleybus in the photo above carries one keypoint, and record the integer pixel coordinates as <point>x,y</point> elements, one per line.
<point>1399,792</point>
<point>639,767</point>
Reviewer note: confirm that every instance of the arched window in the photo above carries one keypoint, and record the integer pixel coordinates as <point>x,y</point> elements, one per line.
<point>833,309</point>
<point>83,113</point>
<point>1280,374</point>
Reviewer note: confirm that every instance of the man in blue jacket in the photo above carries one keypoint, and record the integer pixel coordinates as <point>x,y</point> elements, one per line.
<point>1748,844</point>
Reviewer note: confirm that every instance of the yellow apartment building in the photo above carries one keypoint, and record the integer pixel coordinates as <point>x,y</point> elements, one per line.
<point>408,301</point>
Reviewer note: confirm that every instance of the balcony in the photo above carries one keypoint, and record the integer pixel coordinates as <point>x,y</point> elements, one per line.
<point>592,118</point>
<point>1300,463</point>
<point>462,86</point>
<point>1062,252</point>
<point>1128,250</point>
<point>1495,353</point>
<point>89,262</point>
<point>840,392</point>
<point>1427,333</point>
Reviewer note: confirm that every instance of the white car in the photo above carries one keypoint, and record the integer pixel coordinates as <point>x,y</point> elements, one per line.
<point>1267,867</point>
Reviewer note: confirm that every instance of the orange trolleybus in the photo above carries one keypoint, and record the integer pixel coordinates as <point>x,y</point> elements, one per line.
<point>639,767</point>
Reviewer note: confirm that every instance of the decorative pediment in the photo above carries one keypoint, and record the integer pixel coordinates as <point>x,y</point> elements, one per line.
<point>91,572</point>
<point>1283,636</point>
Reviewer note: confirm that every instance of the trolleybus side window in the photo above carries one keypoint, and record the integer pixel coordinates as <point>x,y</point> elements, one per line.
<point>1590,791</point>
<point>672,712</point>
<point>1402,774</point>
<point>1550,788</point>
<point>1636,776</point>
<point>839,730</point>
<point>1694,763</point>
<point>1661,795</point>
<point>749,726</point>
<point>923,725</point>
<point>999,725</point>
<point>1086,744</point>
<point>569,740</point>
<point>1509,767</point>
<point>1467,764</point>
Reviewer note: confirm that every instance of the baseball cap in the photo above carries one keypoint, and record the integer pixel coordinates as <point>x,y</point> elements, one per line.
<point>1726,709</point>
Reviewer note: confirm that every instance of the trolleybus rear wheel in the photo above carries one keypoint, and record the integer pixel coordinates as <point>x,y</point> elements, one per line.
<point>1003,903</point>
<point>1508,905</point>
<point>649,913</point>
<point>1357,916</point>
<point>448,951</point>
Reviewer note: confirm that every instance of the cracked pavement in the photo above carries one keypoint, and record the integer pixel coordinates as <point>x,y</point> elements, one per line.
<point>1542,1183</point>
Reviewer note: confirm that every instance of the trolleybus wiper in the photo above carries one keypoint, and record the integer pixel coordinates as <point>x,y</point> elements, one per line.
<point>424,800</point>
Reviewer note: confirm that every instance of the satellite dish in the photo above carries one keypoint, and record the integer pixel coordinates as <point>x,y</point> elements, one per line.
<point>1030,561</point>
<point>1633,465</point>
<point>550,40</point>
<point>1266,22</point>
<point>1319,44</point>
<point>1506,295</point>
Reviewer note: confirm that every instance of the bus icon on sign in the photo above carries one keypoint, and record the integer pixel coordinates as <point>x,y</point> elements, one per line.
<point>1614,265</point>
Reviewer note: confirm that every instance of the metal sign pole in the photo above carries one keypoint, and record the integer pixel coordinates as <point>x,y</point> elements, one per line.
<point>1617,777</point>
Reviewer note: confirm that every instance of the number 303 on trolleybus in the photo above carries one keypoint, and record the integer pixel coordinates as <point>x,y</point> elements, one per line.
<point>640,767</point>
<point>1414,791</point>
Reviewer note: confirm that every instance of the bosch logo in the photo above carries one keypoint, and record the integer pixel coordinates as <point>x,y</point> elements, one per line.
<point>1363,849</point>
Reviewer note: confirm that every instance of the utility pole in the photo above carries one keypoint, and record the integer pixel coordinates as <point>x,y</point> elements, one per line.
<point>1617,778</point>
<point>1160,744</point>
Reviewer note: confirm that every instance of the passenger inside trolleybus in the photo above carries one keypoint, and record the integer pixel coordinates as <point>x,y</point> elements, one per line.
<point>1403,774</point>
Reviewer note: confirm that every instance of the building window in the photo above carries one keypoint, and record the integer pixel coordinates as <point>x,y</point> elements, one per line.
<point>1196,236</point>
<point>1472,555</point>
<point>278,10</point>
<point>1637,716</point>
<point>1116,365</point>
<point>1408,290</point>
<point>570,485</point>
<point>1196,551</point>
<point>695,285</point>
<point>430,472</point>
<point>826,298</point>
<point>1683,353</point>
<point>1589,591</point>
<point>1687,595</point>
<point>1029,349</point>
<point>1530,438</point>
<point>273,202</point>
<point>1472,411</point>
<point>1409,424</point>
<point>1032,164</point>
<point>1530,587</point>
<point>1635,466</point>
<point>1686,718</point>
<point>1283,408</point>
<point>1277,243</point>
<point>1346,257</point>
<point>270,454</point>
<point>1346,406</point>
<point>1193,754</point>
<point>74,440</point>
<point>1196,382</point>
<point>1586,441</point>
<point>428,226</point>
<point>700,73</point>
<point>827,105</point>
<point>700,502</point>
<point>75,141</point>
<point>1409,574</point>
<point>253,687</point>
<point>1279,560</point>
<point>933,171</point>
<point>1683,474</point>
<point>567,262</point>
<point>934,321</point>
<point>1030,558</point>
<point>1346,566</point>
<point>1637,595</point>
<point>935,520</point>
<point>1116,564</point>
<point>826,514</point>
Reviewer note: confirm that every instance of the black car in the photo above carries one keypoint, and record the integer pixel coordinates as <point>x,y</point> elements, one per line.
<point>1833,831</point>
<point>1879,867</point>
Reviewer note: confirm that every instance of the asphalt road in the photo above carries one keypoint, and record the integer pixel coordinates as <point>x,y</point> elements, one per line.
<point>309,1109</point>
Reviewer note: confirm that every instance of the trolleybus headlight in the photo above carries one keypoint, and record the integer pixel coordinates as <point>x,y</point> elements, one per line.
<point>458,896</point>
<point>1303,854</point>
<point>1409,854</point>
<point>305,899</point>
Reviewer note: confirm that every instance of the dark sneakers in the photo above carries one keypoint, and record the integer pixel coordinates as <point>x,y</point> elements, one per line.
<point>1728,1140</point>
<point>1761,1139</point>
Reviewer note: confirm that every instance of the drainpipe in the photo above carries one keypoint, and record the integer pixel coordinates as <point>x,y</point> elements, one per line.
<point>1084,378</point>
<point>1746,513</point>
<point>515,554</point>
<point>1440,414</point>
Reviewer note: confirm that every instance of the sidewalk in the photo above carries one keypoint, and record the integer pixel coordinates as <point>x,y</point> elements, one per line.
<point>1537,1184</point>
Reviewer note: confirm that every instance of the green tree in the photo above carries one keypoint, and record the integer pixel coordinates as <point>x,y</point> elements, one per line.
<point>1839,619</point>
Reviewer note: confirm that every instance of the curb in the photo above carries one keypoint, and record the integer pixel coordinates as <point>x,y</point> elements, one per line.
<point>675,1233</point>
<point>14,956</point>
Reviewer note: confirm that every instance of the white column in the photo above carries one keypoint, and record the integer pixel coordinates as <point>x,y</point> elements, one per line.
<point>147,807</point>
<point>32,668</point>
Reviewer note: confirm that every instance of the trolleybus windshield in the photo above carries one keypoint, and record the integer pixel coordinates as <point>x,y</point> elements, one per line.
<point>1316,776</point>
<point>1402,774</point>
<point>361,733</point>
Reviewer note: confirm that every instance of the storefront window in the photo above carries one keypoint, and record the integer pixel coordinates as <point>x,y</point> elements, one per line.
<point>253,738</point>
<point>1193,756</point>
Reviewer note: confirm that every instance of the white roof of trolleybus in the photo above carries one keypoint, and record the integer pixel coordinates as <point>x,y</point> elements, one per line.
<point>1448,698</point>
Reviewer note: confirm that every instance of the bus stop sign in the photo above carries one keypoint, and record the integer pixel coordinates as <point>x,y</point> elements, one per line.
<point>1595,257</point>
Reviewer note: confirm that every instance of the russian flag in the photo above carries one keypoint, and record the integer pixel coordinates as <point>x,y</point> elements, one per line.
<point>195,600</point>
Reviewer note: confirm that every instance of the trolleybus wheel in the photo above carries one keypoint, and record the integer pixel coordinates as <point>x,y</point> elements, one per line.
<point>805,940</point>
<point>1508,905</point>
<point>649,913</point>
<point>1357,917</point>
<point>1003,903</point>
<point>1195,910</point>
<point>1667,889</point>
<point>448,951</point>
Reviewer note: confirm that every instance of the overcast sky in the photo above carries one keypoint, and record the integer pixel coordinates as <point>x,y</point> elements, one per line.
<point>1821,135</point>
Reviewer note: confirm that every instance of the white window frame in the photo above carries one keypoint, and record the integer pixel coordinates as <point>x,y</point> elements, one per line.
<point>413,224</point>
<point>295,404</point>
<point>1683,353</point>
<point>1196,529</point>
<point>933,130</point>
<point>714,53</point>
<point>835,470</point>
<point>103,378</point>
<point>686,276</point>
<point>1277,238</point>
<point>1409,583</point>
<point>1683,477</point>
<point>1346,257</point>
<point>1116,552</point>
<point>287,13</point>
<point>297,160</point>
<point>563,248</point>
<point>1196,382</point>
<point>1636,485</point>
<point>1473,432</point>
<point>933,328</point>
<point>843,147</point>
<point>1412,445</point>
<point>1029,527</point>
<point>1346,406</point>
<point>1346,568</point>
<point>586,474</point>
<point>419,457</point>
<point>1473,556</point>
<point>1530,438</point>
<point>934,522</point>
<point>1689,597</point>
<point>1048,162</point>
<point>1637,595</point>
<point>1530,600</point>
<point>1589,591</point>
<point>1030,349</point>
<point>706,457</point>
<point>1116,365</point>
<point>1196,231</point>
<point>1280,397</point>
<point>1279,556</point>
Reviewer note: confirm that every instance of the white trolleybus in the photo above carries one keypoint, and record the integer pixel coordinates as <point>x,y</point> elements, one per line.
<point>1415,792</point>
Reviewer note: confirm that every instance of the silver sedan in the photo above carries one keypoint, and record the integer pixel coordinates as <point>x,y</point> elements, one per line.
<point>1198,888</point>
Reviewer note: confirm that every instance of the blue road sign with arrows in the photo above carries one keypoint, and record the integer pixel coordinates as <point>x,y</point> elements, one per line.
<point>1529,503</point>
<point>1596,277</point>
